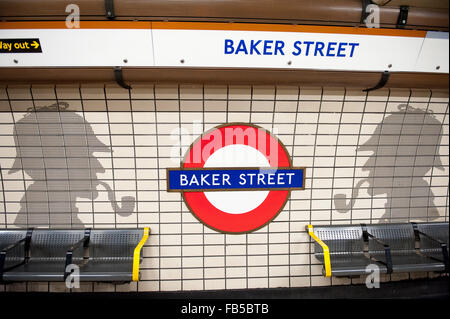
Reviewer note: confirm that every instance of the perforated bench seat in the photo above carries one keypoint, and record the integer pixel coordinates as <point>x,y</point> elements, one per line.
<point>411,263</point>
<point>37,270</point>
<point>347,250</point>
<point>346,247</point>
<point>354,266</point>
<point>102,270</point>
<point>109,255</point>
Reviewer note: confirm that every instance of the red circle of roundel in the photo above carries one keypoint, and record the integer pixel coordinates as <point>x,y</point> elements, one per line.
<point>214,217</point>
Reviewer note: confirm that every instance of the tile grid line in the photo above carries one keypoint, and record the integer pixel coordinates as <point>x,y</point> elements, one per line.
<point>415,158</point>
<point>356,153</point>
<point>41,144</point>
<point>64,147</point>
<point>335,157</point>
<point>268,225</point>
<point>180,200</point>
<point>90,168</point>
<point>432,167</point>
<point>376,157</point>
<point>311,183</point>
<point>89,162</point>
<point>290,201</point>
<point>18,152</point>
<point>203,226</point>
<point>159,193</point>
<point>395,161</point>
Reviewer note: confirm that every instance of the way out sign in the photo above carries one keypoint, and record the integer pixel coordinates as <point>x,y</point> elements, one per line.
<point>32,45</point>
<point>236,178</point>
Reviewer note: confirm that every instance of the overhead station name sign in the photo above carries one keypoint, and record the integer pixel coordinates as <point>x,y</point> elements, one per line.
<point>299,47</point>
<point>223,45</point>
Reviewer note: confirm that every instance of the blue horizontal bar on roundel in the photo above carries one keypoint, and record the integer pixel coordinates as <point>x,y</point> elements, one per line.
<point>212,179</point>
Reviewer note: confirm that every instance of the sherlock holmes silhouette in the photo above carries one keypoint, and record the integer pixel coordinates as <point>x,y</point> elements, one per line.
<point>404,146</point>
<point>55,148</point>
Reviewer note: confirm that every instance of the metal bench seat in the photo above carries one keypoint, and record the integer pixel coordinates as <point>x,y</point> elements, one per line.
<point>354,266</point>
<point>111,255</point>
<point>37,270</point>
<point>345,246</point>
<point>103,270</point>
<point>46,256</point>
<point>412,263</point>
<point>346,250</point>
<point>401,239</point>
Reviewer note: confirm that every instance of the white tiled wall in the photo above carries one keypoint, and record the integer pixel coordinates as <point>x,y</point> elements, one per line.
<point>405,160</point>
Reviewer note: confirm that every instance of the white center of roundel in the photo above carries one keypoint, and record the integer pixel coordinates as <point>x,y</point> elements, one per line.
<point>237,155</point>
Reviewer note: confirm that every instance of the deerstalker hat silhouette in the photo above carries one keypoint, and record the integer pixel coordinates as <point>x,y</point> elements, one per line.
<point>415,123</point>
<point>53,126</point>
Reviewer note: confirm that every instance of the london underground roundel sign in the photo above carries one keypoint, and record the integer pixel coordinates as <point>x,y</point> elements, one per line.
<point>236,178</point>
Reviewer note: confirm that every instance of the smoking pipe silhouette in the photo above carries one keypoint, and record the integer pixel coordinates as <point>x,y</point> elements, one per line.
<point>128,202</point>
<point>340,200</point>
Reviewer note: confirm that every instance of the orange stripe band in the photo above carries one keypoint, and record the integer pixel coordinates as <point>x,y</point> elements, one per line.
<point>83,25</point>
<point>212,26</point>
<point>285,28</point>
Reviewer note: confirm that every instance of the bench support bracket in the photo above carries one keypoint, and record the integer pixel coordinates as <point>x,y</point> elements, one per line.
<point>26,252</point>
<point>109,9</point>
<point>443,245</point>
<point>386,247</point>
<point>69,254</point>
<point>383,80</point>
<point>118,76</point>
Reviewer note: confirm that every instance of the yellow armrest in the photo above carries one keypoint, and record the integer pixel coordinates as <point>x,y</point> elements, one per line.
<point>137,254</point>
<point>326,251</point>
